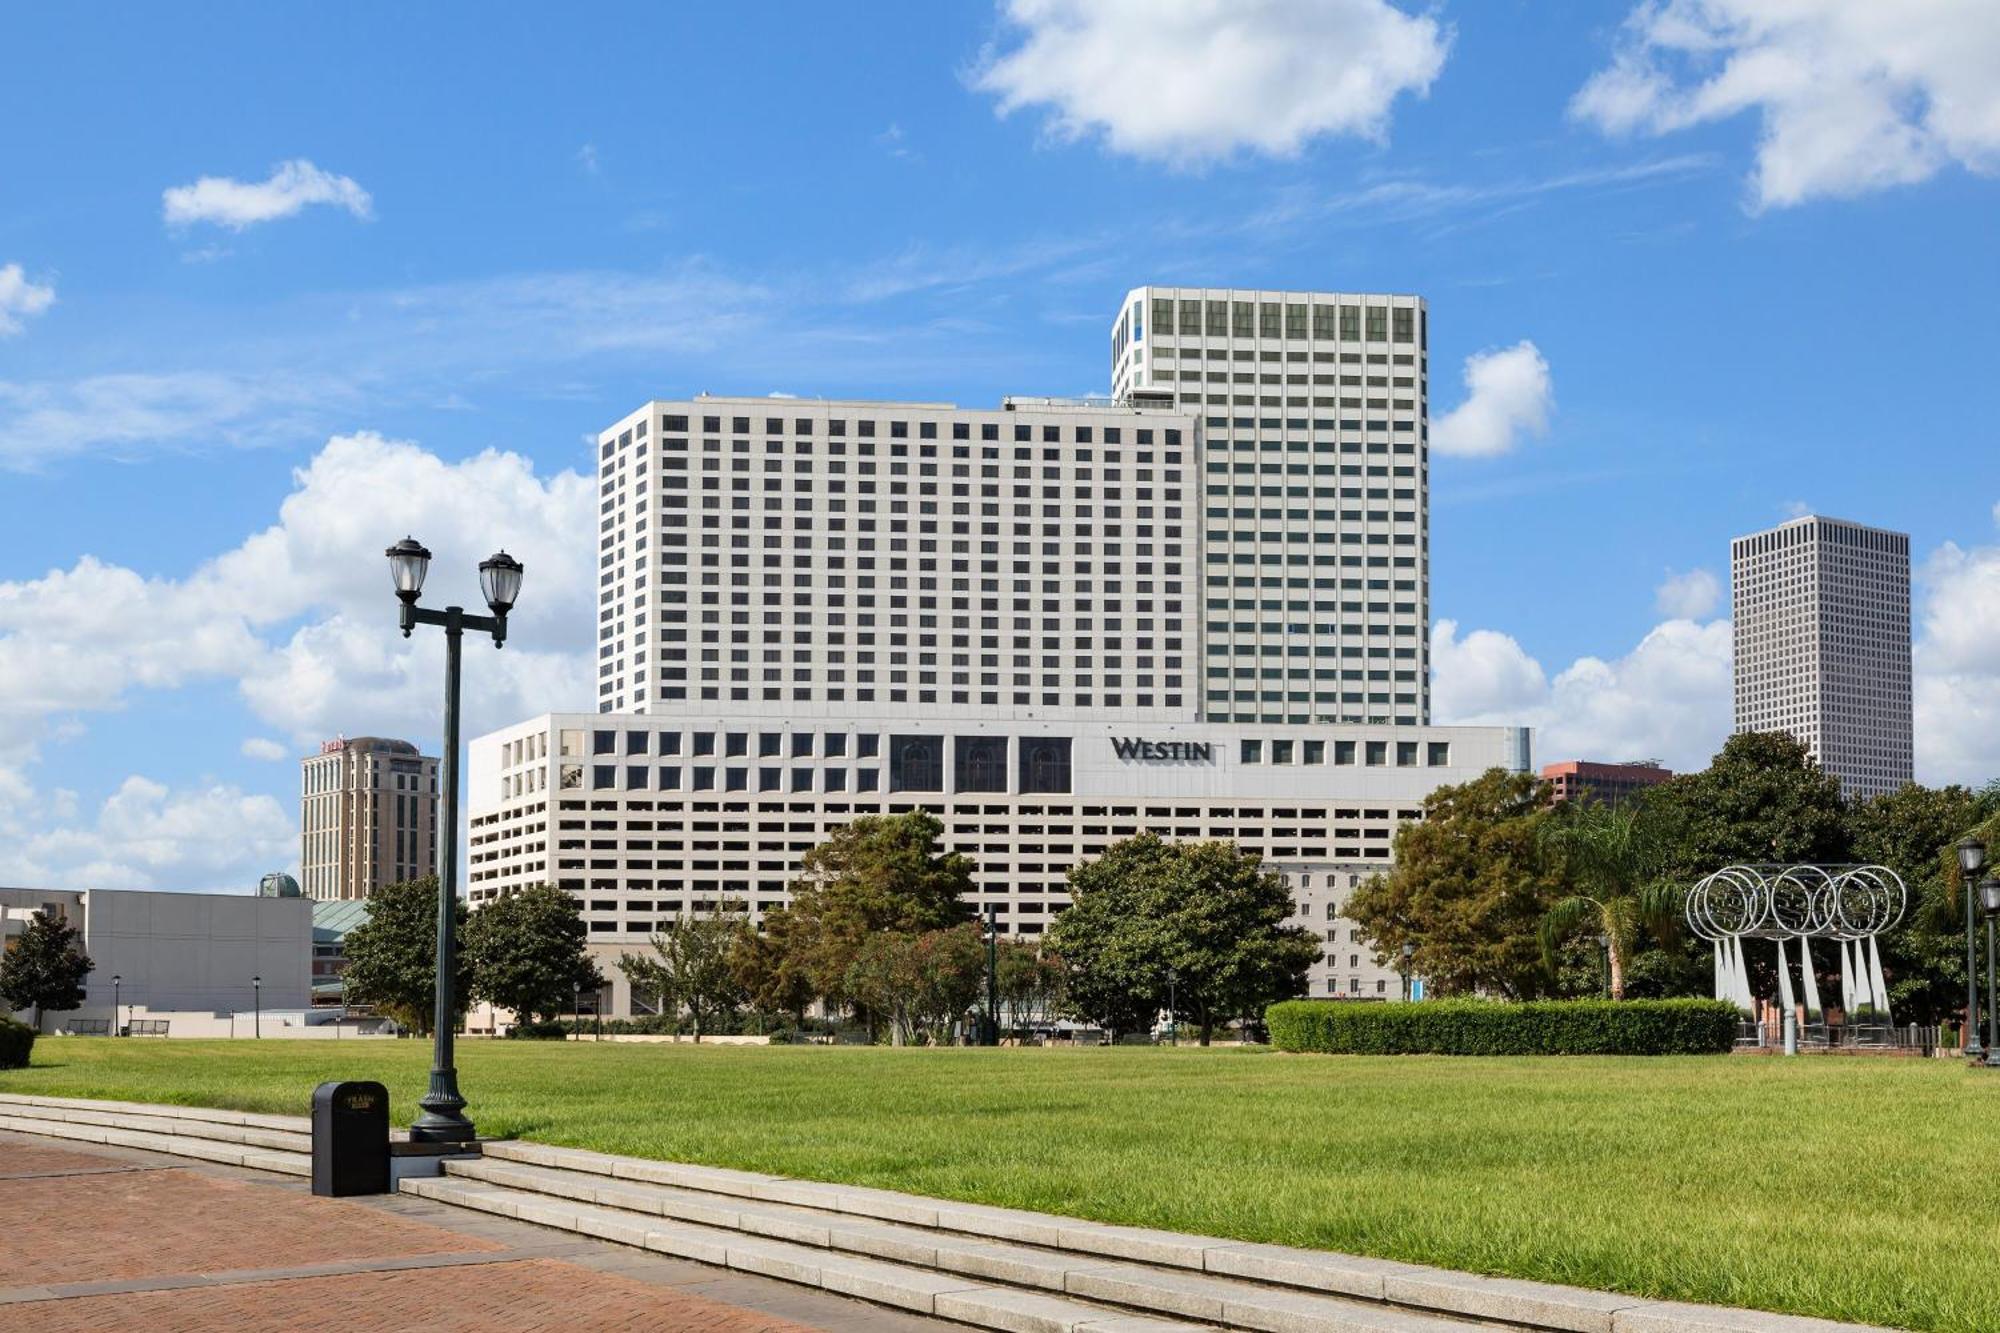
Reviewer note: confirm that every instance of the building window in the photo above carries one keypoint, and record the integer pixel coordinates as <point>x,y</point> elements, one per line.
<point>1045,764</point>
<point>604,777</point>
<point>1406,754</point>
<point>916,763</point>
<point>1253,752</point>
<point>1440,756</point>
<point>1281,752</point>
<point>980,763</point>
<point>1378,753</point>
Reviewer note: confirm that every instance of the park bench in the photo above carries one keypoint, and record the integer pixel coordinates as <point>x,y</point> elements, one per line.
<point>88,1027</point>
<point>148,1027</point>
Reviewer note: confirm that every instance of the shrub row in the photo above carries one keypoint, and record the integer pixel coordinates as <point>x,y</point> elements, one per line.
<point>16,1040</point>
<point>1488,1027</point>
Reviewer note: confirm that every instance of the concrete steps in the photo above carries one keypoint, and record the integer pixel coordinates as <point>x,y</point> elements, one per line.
<point>236,1138</point>
<point>1009,1269</point>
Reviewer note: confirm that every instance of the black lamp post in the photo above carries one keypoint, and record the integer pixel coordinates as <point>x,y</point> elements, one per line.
<point>256,1006</point>
<point>992,1033</point>
<point>443,1119</point>
<point>576,1011</point>
<point>1173,1009</point>
<point>117,1030</point>
<point>1989,905</point>
<point>1971,856</point>
<point>1409,952</point>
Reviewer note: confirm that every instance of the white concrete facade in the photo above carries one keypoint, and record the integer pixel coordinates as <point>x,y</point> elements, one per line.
<point>1314,527</point>
<point>649,817</point>
<point>181,952</point>
<point>1822,645</point>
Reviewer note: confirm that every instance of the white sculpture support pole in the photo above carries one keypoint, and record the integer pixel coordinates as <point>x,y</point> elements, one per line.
<point>1814,1013</point>
<point>1721,974</point>
<point>1849,996</point>
<point>1785,1000</point>
<point>1744,999</point>
<point>1880,986</point>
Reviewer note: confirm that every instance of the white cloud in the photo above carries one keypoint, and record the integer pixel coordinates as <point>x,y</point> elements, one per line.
<point>1668,698</point>
<point>300,616</point>
<point>1854,95</point>
<point>20,298</point>
<point>123,414</point>
<point>149,836</point>
<point>1508,394</point>
<point>1956,664</point>
<point>1690,596</point>
<point>263,747</point>
<point>238,204</point>
<point>1193,80</point>
<point>586,158</point>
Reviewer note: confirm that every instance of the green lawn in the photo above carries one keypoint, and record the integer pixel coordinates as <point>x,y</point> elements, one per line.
<point>1849,1188</point>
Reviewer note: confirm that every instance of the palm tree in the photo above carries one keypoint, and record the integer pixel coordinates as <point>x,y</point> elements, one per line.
<point>1610,856</point>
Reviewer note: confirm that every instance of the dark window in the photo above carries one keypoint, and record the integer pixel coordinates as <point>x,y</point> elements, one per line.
<point>1045,763</point>
<point>635,742</point>
<point>981,763</point>
<point>916,763</point>
<point>604,742</point>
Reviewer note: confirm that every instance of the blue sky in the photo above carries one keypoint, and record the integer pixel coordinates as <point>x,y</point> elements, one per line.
<point>278,283</point>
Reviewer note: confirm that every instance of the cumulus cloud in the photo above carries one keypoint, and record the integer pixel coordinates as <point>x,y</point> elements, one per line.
<point>147,835</point>
<point>235,204</point>
<point>1853,95</point>
<point>20,298</point>
<point>300,617</point>
<point>1956,664</point>
<point>1508,395</point>
<point>1690,596</point>
<point>263,747</point>
<point>1188,81</point>
<point>1668,697</point>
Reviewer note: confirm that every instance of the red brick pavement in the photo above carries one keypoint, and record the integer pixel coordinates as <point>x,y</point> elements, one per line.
<point>526,1295</point>
<point>23,1159</point>
<point>137,1224</point>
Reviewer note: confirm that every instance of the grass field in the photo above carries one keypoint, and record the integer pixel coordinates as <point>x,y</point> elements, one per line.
<point>1847,1188</point>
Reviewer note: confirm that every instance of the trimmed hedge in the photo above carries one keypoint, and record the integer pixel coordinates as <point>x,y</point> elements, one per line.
<point>1488,1027</point>
<point>16,1040</point>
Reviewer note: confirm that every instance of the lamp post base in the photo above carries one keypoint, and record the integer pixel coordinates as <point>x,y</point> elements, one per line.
<point>443,1120</point>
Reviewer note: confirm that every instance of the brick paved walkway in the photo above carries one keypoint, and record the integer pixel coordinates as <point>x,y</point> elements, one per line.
<point>111,1240</point>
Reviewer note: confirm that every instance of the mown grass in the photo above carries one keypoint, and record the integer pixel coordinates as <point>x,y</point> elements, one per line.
<point>1846,1188</point>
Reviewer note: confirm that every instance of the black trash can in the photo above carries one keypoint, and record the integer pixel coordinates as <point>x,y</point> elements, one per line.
<point>350,1139</point>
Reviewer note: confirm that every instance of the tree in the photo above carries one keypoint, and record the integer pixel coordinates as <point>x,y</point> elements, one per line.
<point>1607,855</point>
<point>1207,911</point>
<point>526,950</point>
<point>1762,799</point>
<point>392,955</point>
<point>45,968</point>
<point>921,983</point>
<point>772,976</point>
<point>878,873</point>
<point>1912,831</point>
<point>691,967</point>
<point>1469,890</point>
<point>1030,981</point>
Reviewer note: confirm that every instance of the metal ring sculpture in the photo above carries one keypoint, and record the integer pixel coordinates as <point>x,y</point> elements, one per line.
<point>1848,904</point>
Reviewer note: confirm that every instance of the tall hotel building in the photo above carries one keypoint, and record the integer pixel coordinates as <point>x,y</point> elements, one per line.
<point>1822,625</point>
<point>367,816</point>
<point>1198,607</point>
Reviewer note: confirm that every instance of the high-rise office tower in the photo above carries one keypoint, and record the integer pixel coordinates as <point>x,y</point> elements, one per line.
<point>1822,625</point>
<point>1314,569</point>
<point>367,816</point>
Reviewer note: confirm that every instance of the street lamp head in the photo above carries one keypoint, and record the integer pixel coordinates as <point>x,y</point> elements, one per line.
<point>1409,951</point>
<point>1971,855</point>
<point>1989,896</point>
<point>408,563</point>
<point>256,981</point>
<point>500,580</point>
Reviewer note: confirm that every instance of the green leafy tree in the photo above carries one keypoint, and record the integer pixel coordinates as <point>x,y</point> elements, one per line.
<point>1762,799</point>
<point>1469,890</point>
<point>772,975</point>
<point>1913,831</point>
<point>526,951</point>
<point>879,873</point>
<point>44,968</point>
<point>691,967</point>
<point>1030,980</point>
<point>919,983</point>
<point>1207,911</point>
<point>1607,857</point>
<point>392,955</point>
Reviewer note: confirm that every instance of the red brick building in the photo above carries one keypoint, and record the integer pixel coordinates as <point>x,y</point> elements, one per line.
<point>1610,783</point>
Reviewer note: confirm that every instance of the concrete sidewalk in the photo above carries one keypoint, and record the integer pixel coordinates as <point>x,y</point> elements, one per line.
<point>112,1239</point>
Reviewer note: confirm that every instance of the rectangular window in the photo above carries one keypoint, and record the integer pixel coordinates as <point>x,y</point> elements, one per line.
<point>1440,756</point>
<point>1406,754</point>
<point>1281,752</point>
<point>979,763</point>
<point>1045,764</point>
<point>1378,753</point>
<point>1314,752</point>
<point>916,763</point>
<point>1343,752</point>
<point>1163,315</point>
<point>1268,317</point>
<point>1253,752</point>
<point>1243,317</point>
